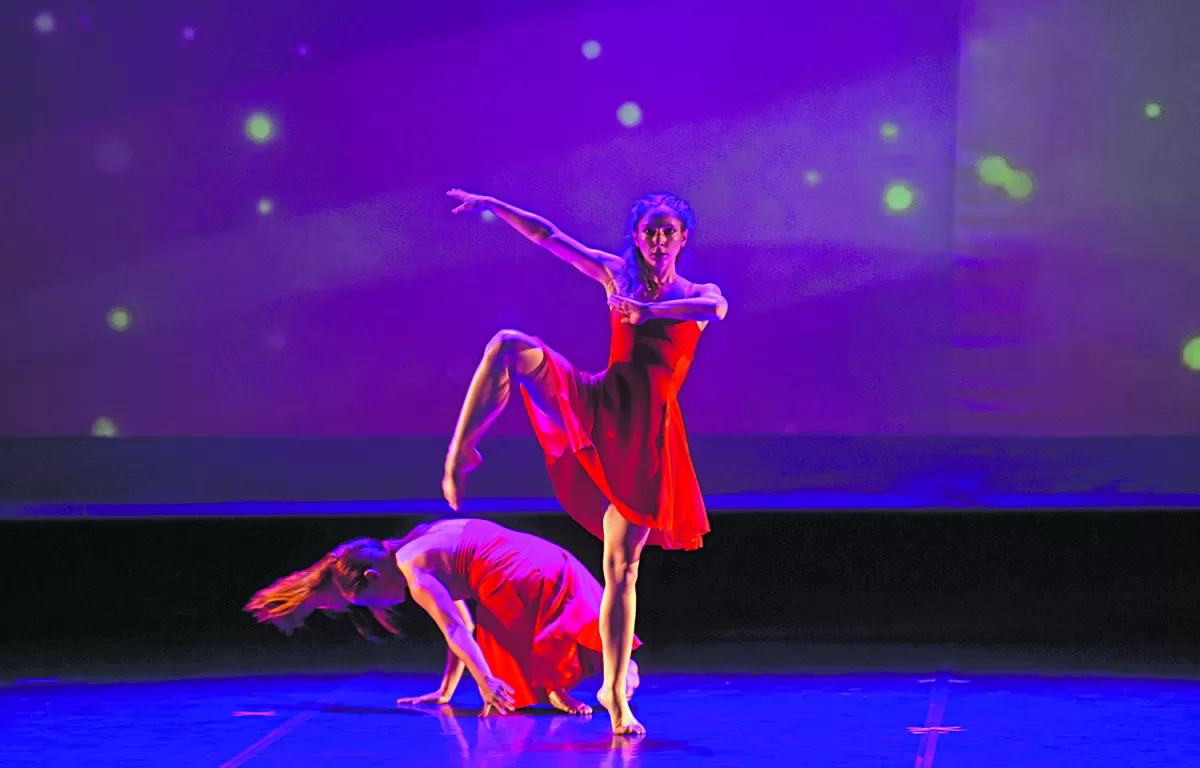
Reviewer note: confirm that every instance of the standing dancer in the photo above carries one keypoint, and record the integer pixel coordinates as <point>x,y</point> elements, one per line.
<point>615,445</point>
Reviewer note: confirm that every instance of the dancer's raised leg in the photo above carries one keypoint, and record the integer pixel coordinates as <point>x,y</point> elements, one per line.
<point>510,357</point>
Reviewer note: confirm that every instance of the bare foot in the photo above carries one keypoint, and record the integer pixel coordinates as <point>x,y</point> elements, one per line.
<point>632,679</point>
<point>565,702</point>
<point>623,721</point>
<point>459,464</point>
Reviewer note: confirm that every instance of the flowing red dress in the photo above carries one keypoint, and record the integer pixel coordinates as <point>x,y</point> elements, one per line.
<point>537,606</point>
<point>622,440</point>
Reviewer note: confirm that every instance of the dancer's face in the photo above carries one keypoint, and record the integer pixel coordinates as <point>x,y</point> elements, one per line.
<point>660,237</point>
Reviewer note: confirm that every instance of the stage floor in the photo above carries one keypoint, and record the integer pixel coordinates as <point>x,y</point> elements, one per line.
<point>720,704</point>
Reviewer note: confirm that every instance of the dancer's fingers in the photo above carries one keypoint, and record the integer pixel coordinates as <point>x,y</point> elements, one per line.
<point>450,492</point>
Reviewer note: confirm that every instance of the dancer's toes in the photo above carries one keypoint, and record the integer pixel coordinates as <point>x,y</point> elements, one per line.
<point>565,702</point>
<point>629,727</point>
<point>623,721</point>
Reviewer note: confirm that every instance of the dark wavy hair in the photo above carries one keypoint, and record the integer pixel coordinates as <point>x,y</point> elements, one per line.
<point>637,273</point>
<point>286,602</point>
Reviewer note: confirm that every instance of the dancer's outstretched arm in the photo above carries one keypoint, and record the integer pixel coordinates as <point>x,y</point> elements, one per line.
<point>454,669</point>
<point>598,265</point>
<point>429,593</point>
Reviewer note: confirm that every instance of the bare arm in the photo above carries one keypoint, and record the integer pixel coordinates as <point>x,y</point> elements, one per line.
<point>454,668</point>
<point>699,308</point>
<point>598,265</point>
<point>454,665</point>
<point>431,594</point>
<point>706,303</point>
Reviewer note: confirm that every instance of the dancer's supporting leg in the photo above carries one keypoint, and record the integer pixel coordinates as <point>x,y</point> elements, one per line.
<point>623,543</point>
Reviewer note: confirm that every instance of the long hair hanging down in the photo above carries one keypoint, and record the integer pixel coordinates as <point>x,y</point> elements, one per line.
<point>638,274</point>
<point>338,576</point>
<point>286,602</point>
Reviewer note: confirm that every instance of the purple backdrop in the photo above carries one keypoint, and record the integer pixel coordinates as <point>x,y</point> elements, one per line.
<point>1057,303</point>
<point>1073,308</point>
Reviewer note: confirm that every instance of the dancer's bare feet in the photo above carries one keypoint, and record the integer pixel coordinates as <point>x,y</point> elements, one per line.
<point>565,702</point>
<point>459,463</point>
<point>632,679</point>
<point>623,721</point>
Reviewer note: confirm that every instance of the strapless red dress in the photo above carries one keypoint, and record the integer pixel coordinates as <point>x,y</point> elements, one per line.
<point>537,606</point>
<point>623,440</point>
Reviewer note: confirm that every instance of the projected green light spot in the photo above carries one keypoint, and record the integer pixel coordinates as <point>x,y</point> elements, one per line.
<point>899,197</point>
<point>591,49</point>
<point>44,23</point>
<point>265,206</point>
<point>259,128</point>
<point>812,178</point>
<point>994,170</point>
<point>103,427</point>
<point>630,114</point>
<point>1191,354</point>
<point>487,216</point>
<point>1153,110</point>
<point>889,131</point>
<point>1019,185</point>
<point>997,171</point>
<point>119,319</point>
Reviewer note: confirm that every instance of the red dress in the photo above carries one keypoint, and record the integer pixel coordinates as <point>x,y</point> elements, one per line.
<point>537,605</point>
<point>623,440</point>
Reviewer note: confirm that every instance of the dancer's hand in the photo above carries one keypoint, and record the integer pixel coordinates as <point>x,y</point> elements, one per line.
<point>496,696</point>
<point>469,202</point>
<point>632,311</point>
<point>437,697</point>
<point>459,463</point>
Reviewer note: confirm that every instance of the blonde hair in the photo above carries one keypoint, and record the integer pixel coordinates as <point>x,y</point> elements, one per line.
<point>288,602</point>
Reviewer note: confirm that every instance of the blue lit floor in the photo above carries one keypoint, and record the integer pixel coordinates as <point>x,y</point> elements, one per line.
<point>703,717</point>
